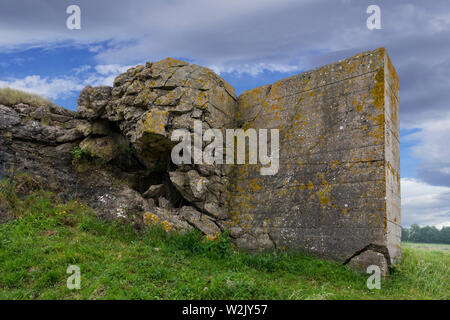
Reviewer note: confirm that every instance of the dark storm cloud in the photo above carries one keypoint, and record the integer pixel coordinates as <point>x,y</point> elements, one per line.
<point>252,36</point>
<point>237,35</point>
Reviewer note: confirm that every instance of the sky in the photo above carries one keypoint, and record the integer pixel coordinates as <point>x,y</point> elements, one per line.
<point>249,43</point>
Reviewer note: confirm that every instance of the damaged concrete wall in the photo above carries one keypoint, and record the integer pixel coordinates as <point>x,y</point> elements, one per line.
<point>122,136</point>
<point>337,191</point>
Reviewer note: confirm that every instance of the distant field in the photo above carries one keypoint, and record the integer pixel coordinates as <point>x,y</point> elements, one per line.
<point>427,246</point>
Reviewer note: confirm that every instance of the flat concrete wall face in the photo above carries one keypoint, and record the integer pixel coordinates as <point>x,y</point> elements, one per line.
<point>337,191</point>
<point>392,159</point>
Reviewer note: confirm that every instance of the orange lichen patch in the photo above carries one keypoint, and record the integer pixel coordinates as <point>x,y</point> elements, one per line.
<point>151,218</point>
<point>212,237</point>
<point>276,90</point>
<point>253,184</point>
<point>392,76</point>
<point>167,226</point>
<point>167,63</point>
<point>310,185</point>
<point>324,200</point>
<point>378,133</point>
<point>344,64</point>
<point>334,164</point>
<point>354,64</point>
<point>173,62</point>
<point>228,88</point>
<point>201,99</point>
<point>247,125</point>
<point>378,90</point>
<point>323,194</point>
<point>379,119</point>
<point>152,83</point>
<point>358,106</point>
<point>155,122</point>
<point>169,98</point>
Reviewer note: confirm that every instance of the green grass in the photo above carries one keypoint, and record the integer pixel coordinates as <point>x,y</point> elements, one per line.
<point>10,96</point>
<point>117,263</point>
<point>440,247</point>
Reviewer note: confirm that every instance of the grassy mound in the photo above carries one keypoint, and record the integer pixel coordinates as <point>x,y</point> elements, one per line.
<point>10,96</point>
<point>118,263</point>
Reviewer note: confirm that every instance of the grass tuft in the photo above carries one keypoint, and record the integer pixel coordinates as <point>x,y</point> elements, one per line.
<point>10,96</point>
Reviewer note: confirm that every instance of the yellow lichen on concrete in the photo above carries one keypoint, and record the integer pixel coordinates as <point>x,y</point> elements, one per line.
<point>378,90</point>
<point>155,122</point>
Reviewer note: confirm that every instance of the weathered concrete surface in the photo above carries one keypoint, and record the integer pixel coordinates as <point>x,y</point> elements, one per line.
<point>337,190</point>
<point>121,135</point>
<point>369,258</point>
<point>336,194</point>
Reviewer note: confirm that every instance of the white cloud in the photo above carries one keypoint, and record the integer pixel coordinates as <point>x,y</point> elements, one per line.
<point>82,69</point>
<point>255,69</point>
<point>230,36</point>
<point>434,139</point>
<point>432,147</point>
<point>108,69</point>
<point>424,204</point>
<point>441,225</point>
<point>52,88</point>
<point>58,87</point>
<point>104,75</point>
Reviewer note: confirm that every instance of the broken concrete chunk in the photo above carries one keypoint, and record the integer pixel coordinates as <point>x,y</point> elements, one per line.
<point>154,191</point>
<point>198,185</point>
<point>202,222</point>
<point>216,210</point>
<point>104,148</point>
<point>92,101</point>
<point>164,203</point>
<point>369,258</point>
<point>101,128</point>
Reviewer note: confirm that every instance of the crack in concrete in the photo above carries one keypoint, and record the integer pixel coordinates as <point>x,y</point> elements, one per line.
<point>373,247</point>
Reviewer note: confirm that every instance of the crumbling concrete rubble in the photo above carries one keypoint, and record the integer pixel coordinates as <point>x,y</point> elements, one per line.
<point>337,190</point>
